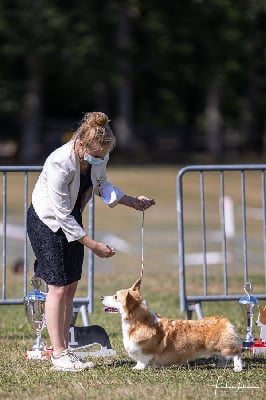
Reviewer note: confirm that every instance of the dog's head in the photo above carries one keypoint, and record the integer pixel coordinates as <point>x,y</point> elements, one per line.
<point>262,316</point>
<point>124,301</point>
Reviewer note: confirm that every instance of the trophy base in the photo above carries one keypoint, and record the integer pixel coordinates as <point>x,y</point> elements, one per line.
<point>39,354</point>
<point>103,352</point>
<point>258,350</point>
<point>258,347</point>
<point>246,345</point>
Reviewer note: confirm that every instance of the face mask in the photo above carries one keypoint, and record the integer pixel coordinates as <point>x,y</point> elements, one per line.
<point>96,161</point>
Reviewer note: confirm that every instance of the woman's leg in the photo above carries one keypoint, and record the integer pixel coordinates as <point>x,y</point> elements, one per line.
<point>69,310</point>
<point>58,313</point>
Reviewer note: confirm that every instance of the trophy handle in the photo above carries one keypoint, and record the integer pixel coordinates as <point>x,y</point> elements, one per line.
<point>36,282</point>
<point>248,288</point>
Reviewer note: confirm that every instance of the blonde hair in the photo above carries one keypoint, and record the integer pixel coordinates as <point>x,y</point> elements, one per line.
<point>95,128</point>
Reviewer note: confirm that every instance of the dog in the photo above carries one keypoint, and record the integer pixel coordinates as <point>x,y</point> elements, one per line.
<point>152,340</point>
<point>261,322</point>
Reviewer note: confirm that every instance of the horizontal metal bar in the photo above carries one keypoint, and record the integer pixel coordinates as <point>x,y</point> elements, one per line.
<point>77,301</point>
<point>20,168</point>
<point>223,167</point>
<point>11,301</point>
<point>221,297</point>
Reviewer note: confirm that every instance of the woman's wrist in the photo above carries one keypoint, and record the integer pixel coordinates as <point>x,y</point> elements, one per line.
<point>127,200</point>
<point>140,203</point>
<point>88,242</point>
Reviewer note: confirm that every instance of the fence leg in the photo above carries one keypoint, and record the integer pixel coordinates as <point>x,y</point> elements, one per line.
<point>194,307</point>
<point>83,310</point>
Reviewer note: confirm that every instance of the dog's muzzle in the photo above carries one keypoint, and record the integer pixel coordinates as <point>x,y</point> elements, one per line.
<point>107,308</point>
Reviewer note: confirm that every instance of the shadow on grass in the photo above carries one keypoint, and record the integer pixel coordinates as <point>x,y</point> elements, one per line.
<point>121,363</point>
<point>254,362</point>
<point>249,362</point>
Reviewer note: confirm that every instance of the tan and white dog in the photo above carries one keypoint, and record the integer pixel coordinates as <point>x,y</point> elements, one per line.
<point>152,340</point>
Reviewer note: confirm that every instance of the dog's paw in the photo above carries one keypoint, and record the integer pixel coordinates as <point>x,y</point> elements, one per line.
<point>139,366</point>
<point>238,368</point>
<point>238,364</point>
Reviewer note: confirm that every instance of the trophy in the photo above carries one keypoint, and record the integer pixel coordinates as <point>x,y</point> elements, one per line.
<point>34,303</point>
<point>247,303</point>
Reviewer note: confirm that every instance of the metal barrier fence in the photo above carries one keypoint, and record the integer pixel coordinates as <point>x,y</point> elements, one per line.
<point>17,184</point>
<point>221,216</point>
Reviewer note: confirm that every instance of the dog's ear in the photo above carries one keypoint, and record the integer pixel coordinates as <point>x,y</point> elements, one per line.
<point>130,302</point>
<point>136,285</point>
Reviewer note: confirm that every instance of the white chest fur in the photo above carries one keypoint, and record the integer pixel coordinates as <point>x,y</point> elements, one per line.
<point>131,347</point>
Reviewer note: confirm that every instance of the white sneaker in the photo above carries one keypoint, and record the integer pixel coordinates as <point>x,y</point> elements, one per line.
<point>69,361</point>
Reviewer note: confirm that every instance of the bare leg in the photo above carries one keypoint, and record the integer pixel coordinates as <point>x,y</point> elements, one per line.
<point>69,310</point>
<point>58,312</point>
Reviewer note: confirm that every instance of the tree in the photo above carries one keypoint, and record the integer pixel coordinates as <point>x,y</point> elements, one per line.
<point>156,69</point>
<point>28,43</point>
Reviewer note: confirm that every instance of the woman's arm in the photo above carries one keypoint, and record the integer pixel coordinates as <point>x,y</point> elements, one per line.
<point>140,203</point>
<point>100,249</point>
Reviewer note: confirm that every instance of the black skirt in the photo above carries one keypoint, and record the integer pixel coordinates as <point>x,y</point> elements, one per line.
<point>58,262</point>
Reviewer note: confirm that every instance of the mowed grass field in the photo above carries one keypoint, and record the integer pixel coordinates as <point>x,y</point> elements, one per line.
<point>113,377</point>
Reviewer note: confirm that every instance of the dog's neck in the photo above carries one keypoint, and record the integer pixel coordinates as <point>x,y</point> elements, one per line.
<point>143,314</point>
<point>155,316</point>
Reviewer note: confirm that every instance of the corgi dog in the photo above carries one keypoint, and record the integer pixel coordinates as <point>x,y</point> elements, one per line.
<point>261,322</point>
<point>152,340</point>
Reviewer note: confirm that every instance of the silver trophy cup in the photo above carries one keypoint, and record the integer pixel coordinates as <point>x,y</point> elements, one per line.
<point>247,303</point>
<point>34,303</point>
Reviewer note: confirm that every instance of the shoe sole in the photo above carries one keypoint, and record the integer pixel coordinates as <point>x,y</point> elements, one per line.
<point>54,368</point>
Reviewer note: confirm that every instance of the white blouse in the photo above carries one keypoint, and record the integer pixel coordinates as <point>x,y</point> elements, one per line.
<point>56,191</point>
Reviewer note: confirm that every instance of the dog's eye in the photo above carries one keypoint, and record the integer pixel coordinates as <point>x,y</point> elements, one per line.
<point>115,297</point>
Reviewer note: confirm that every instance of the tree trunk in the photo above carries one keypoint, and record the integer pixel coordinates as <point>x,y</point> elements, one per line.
<point>213,119</point>
<point>123,120</point>
<point>30,146</point>
<point>246,122</point>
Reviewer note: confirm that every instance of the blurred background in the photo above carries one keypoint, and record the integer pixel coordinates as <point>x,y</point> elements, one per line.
<point>181,81</point>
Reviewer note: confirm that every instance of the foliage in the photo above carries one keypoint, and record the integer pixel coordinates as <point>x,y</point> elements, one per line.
<point>166,60</point>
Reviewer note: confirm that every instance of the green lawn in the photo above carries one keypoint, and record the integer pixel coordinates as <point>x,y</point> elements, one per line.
<point>113,377</point>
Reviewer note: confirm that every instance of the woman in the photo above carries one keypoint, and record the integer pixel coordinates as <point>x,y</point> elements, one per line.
<point>70,175</point>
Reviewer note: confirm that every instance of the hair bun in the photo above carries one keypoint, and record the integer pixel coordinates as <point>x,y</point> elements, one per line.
<point>96,119</point>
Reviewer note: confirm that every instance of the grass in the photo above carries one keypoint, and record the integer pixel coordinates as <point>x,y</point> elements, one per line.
<point>113,377</point>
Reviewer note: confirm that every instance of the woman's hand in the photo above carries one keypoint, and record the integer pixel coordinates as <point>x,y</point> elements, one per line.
<point>140,203</point>
<point>103,250</point>
<point>100,249</point>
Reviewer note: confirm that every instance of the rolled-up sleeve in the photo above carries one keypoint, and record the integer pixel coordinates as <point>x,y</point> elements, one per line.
<point>105,190</point>
<point>111,194</point>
